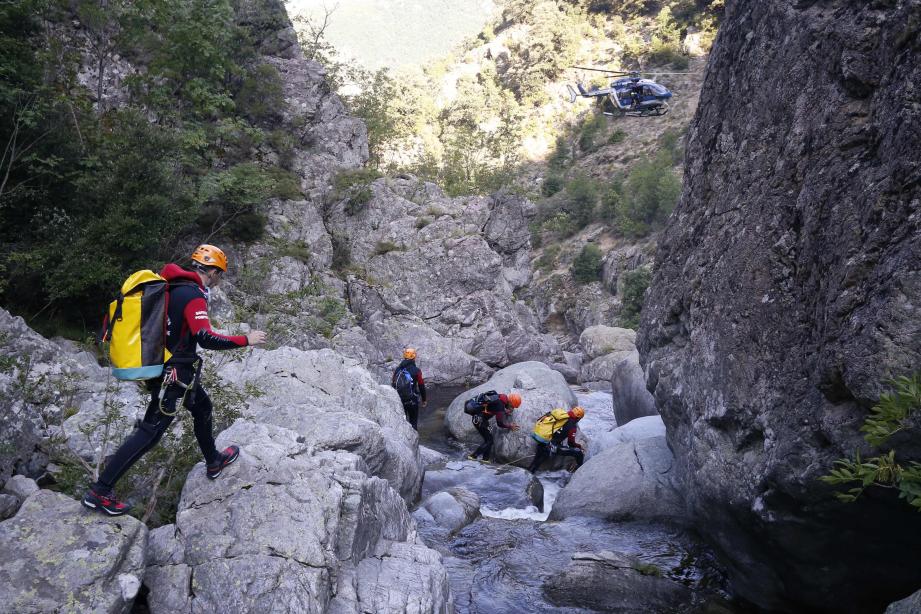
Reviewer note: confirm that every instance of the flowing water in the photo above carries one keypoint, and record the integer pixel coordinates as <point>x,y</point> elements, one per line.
<point>499,563</point>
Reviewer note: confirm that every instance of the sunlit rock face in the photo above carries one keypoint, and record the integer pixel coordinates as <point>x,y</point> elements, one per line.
<point>787,289</point>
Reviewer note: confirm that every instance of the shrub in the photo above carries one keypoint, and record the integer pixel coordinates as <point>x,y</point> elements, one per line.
<point>582,194</point>
<point>299,250</point>
<point>896,411</point>
<point>590,133</point>
<point>560,154</point>
<point>355,186</point>
<point>618,136</point>
<point>587,266</point>
<point>342,253</point>
<point>633,291</point>
<point>651,191</point>
<point>385,247</point>
<point>548,259</point>
<point>560,223</point>
<point>261,97</point>
<point>422,222</point>
<point>552,184</point>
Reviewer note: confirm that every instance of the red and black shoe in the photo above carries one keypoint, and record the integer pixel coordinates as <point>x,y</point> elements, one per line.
<point>94,500</point>
<point>228,456</point>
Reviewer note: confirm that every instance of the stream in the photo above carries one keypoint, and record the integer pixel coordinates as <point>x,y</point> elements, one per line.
<point>499,563</point>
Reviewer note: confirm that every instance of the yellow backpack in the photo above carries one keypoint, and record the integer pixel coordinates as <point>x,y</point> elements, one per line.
<point>135,327</point>
<point>548,424</point>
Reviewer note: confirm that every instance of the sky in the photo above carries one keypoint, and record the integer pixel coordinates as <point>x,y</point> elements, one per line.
<point>396,33</point>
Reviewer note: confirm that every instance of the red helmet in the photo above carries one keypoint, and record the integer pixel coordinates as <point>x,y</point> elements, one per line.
<point>577,412</point>
<point>514,400</point>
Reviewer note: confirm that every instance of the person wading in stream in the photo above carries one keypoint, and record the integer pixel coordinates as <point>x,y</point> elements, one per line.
<point>407,379</point>
<point>550,431</point>
<point>187,327</point>
<point>483,407</point>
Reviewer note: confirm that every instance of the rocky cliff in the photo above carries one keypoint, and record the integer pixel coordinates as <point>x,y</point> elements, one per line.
<point>787,290</point>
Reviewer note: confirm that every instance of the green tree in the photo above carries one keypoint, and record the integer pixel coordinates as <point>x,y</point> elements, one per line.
<point>633,292</point>
<point>650,193</point>
<point>587,265</point>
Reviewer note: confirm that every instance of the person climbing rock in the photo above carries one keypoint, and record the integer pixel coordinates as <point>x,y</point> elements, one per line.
<point>549,432</point>
<point>188,327</point>
<point>483,407</point>
<point>408,381</point>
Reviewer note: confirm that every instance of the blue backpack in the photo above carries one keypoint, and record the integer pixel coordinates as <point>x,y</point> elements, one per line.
<point>406,386</point>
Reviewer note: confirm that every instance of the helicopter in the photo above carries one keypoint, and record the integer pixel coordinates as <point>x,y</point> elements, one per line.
<point>629,94</point>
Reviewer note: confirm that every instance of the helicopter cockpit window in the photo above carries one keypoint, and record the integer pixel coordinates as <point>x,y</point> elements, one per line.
<point>654,89</point>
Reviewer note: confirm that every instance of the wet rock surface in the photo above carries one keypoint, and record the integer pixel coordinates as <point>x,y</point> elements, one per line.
<point>56,556</point>
<point>787,291</point>
<point>450,509</point>
<point>497,487</point>
<point>607,581</point>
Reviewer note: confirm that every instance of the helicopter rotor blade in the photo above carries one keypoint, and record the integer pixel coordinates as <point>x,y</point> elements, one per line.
<point>656,74</point>
<point>610,72</point>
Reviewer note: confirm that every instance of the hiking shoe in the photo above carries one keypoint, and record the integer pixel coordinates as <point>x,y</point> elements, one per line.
<point>105,503</point>
<point>471,457</point>
<point>228,456</point>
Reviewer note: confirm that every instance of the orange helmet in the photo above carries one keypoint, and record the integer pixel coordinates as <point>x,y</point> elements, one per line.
<point>409,353</point>
<point>514,400</point>
<point>209,255</point>
<point>577,412</point>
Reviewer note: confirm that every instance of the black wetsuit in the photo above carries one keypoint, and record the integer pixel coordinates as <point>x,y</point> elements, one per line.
<point>567,431</point>
<point>411,406</point>
<point>498,409</point>
<point>188,327</point>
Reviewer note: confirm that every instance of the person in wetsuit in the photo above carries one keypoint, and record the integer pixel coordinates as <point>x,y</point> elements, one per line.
<point>188,327</point>
<point>410,386</point>
<point>499,405</point>
<point>550,431</point>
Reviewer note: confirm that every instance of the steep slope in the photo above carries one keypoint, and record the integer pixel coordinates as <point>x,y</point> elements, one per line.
<point>787,289</point>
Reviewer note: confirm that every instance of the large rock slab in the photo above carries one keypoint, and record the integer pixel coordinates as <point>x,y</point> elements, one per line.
<point>311,517</point>
<point>628,388</point>
<point>633,480</point>
<point>601,340</point>
<point>612,582</point>
<point>787,291</point>
<point>57,556</point>
<point>641,428</point>
<point>541,389</point>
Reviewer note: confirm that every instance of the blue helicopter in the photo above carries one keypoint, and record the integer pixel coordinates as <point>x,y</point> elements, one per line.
<point>629,94</point>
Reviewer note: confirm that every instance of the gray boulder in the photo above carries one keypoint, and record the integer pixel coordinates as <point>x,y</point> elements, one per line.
<point>628,387</point>
<point>8,506</point>
<point>786,293</point>
<point>541,389</point>
<point>55,556</point>
<point>431,457</point>
<point>641,428</point>
<point>333,404</point>
<point>909,605</point>
<point>451,509</point>
<point>606,347</point>
<point>633,480</point>
<point>612,582</point>
<point>20,487</point>
<point>601,340</point>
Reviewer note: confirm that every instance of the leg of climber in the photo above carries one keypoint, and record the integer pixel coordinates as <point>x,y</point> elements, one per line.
<point>482,427</point>
<point>412,413</point>
<point>576,453</point>
<point>541,454</point>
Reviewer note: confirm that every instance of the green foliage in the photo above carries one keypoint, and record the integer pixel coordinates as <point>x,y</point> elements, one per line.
<point>354,186</point>
<point>89,193</point>
<point>552,184</point>
<point>591,133</point>
<point>617,137</point>
<point>587,265</point>
<point>650,193</point>
<point>648,569</point>
<point>633,291</point>
<point>548,259</point>
<point>385,247</point>
<point>560,154</point>
<point>299,250</point>
<point>342,253</point>
<point>893,413</point>
<point>582,196</point>
<point>261,97</point>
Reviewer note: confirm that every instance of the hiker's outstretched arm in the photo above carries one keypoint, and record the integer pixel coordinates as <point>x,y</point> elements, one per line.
<point>196,317</point>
